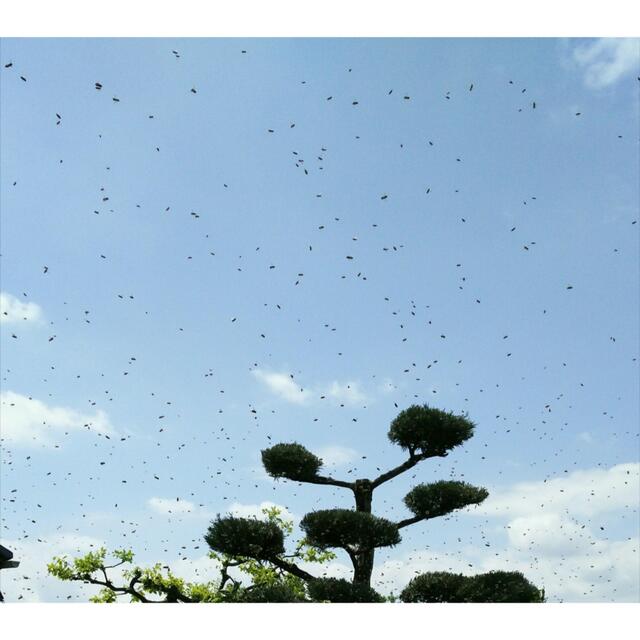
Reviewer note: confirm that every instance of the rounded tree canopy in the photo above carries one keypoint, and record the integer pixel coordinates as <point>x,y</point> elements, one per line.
<point>248,537</point>
<point>495,586</point>
<point>439,498</point>
<point>340,590</point>
<point>431,431</point>
<point>290,461</point>
<point>500,586</point>
<point>347,529</point>
<point>278,592</point>
<point>435,586</point>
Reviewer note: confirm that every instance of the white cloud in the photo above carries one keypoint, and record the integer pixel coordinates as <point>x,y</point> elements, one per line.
<point>336,456</point>
<point>585,436</point>
<point>283,385</point>
<point>606,60</point>
<point>329,570</point>
<point>582,493</point>
<point>202,569</point>
<point>387,386</point>
<point>347,393</point>
<point>14,310</point>
<point>29,422</point>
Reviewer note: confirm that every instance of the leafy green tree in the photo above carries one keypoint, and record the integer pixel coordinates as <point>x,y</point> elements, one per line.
<point>268,582</point>
<point>140,584</point>
<point>423,432</point>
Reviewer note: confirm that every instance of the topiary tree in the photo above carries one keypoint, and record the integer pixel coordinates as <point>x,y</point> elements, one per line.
<point>423,432</point>
<point>157,583</point>
<point>495,586</point>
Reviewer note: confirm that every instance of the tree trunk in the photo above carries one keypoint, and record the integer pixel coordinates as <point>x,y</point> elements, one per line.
<point>363,567</point>
<point>363,562</point>
<point>363,492</point>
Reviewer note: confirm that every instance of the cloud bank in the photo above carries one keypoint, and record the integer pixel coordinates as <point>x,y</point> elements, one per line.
<point>553,536</point>
<point>29,422</point>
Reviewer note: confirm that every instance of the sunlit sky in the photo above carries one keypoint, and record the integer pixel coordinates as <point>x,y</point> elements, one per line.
<point>238,242</point>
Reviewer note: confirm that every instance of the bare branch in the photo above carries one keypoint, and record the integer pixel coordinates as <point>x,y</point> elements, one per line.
<point>117,590</point>
<point>291,568</point>
<point>411,462</point>
<point>408,521</point>
<point>328,480</point>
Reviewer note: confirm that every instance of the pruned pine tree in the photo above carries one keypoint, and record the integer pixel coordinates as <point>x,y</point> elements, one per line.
<point>422,432</point>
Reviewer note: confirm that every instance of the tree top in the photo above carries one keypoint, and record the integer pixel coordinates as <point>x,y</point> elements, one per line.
<point>432,432</point>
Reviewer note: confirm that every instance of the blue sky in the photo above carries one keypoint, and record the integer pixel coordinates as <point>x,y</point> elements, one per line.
<point>212,287</point>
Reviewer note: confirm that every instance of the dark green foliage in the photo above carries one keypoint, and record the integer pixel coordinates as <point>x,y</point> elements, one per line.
<point>436,586</point>
<point>495,586</point>
<point>245,537</point>
<point>439,498</point>
<point>290,461</point>
<point>500,586</point>
<point>347,529</point>
<point>431,431</point>
<point>277,592</point>
<point>339,590</point>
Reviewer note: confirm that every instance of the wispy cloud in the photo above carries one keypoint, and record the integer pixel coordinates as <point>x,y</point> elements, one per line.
<point>14,310</point>
<point>585,436</point>
<point>30,422</point>
<point>387,386</point>
<point>347,393</point>
<point>284,386</point>
<point>336,455</point>
<point>606,60</point>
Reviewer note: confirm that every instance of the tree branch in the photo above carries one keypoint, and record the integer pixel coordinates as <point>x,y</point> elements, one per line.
<point>291,568</point>
<point>109,585</point>
<point>328,480</point>
<point>408,521</point>
<point>224,574</point>
<point>411,462</point>
<point>173,594</point>
<point>135,579</point>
